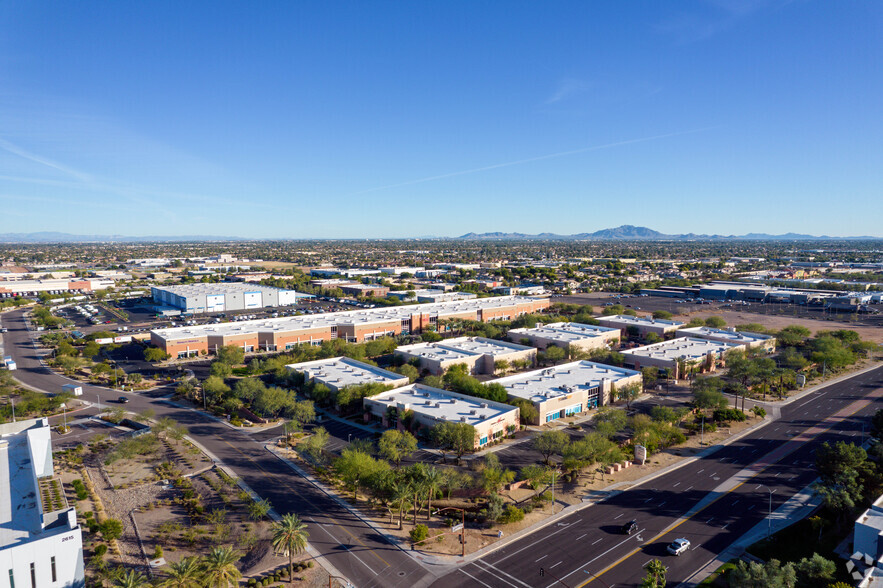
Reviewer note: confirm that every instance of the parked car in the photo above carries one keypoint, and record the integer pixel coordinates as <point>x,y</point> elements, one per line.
<point>122,399</point>
<point>678,546</point>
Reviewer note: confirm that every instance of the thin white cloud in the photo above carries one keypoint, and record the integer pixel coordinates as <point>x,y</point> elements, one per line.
<point>532,159</point>
<point>24,153</point>
<point>568,88</point>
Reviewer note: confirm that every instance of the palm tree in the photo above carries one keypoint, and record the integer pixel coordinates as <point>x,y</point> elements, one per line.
<point>433,481</point>
<point>220,567</point>
<point>186,573</point>
<point>400,494</point>
<point>655,574</point>
<point>131,579</point>
<point>290,537</point>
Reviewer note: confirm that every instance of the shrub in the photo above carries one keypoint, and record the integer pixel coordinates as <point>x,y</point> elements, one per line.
<point>80,489</point>
<point>100,550</point>
<point>725,415</point>
<point>513,514</point>
<point>419,533</point>
<point>157,552</point>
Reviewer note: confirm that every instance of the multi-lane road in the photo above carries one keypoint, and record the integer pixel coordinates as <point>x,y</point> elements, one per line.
<point>711,501</point>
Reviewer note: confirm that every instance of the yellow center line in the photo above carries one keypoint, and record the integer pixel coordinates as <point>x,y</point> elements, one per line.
<point>271,475</point>
<point>863,403</point>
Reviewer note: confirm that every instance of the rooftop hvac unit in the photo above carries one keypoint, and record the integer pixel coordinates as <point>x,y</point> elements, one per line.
<point>428,403</point>
<point>438,405</point>
<point>484,404</point>
<point>462,419</point>
<point>473,411</point>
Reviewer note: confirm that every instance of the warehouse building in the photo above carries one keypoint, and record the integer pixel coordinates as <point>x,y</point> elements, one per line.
<point>694,355</point>
<point>644,325</point>
<point>356,326</point>
<point>222,297</point>
<point>339,372</point>
<point>41,543</point>
<point>36,287</point>
<point>749,340</point>
<point>431,406</point>
<point>358,290</point>
<point>568,389</point>
<point>477,353</point>
<point>576,335</point>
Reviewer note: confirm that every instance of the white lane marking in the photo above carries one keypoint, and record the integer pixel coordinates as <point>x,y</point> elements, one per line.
<point>474,578</point>
<point>700,471</point>
<point>557,564</point>
<point>600,555</point>
<point>696,547</point>
<point>735,503</point>
<point>596,542</point>
<point>504,573</point>
<point>661,504</point>
<point>676,485</point>
<point>542,558</point>
<point>617,516</point>
<point>532,544</point>
<point>712,475</point>
<point>347,549</point>
<point>751,507</point>
<point>708,522</point>
<point>688,489</point>
<point>581,536</point>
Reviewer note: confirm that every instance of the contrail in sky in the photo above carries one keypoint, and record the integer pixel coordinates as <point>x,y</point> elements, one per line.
<point>532,159</point>
<point>16,150</point>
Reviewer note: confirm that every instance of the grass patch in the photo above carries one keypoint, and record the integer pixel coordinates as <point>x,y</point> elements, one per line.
<point>719,576</point>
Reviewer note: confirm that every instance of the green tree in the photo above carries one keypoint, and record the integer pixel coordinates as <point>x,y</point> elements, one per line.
<point>715,322</point>
<point>433,480</point>
<point>550,443</point>
<point>628,394</point>
<point>554,354</point>
<point>220,567</point>
<point>877,424</point>
<point>840,468</point>
<point>815,571</point>
<point>354,467</point>
<point>457,437</point>
<point>220,369</point>
<point>186,573</point>
<point>315,443</point>
<point>111,529</point>
<point>131,579</point>
<point>662,314</point>
<point>609,421</point>
<point>536,476</point>
<point>655,577</point>
<point>707,393</point>
<point>395,445</point>
<point>493,475</point>
<point>215,388</point>
<point>290,538</point>
<point>155,354</point>
<point>759,411</point>
<point>792,336</point>
<point>301,412</point>
<point>527,412</point>
<point>248,389</point>
<point>757,575</point>
<point>231,355</point>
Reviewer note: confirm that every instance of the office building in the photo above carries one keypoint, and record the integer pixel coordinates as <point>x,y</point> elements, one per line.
<point>41,543</point>
<point>644,325</point>
<point>749,340</point>
<point>356,326</point>
<point>568,389</point>
<point>691,353</point>
<point>222,297</point>
<point>478,354</point>
<point>431,406</point>
<point>339,372</point>
<point>575,335</point>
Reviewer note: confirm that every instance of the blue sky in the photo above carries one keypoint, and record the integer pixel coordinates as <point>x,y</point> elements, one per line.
<point>398,119</point>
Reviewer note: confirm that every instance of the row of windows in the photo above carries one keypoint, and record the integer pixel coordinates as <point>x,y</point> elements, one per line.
<point>34,574</point>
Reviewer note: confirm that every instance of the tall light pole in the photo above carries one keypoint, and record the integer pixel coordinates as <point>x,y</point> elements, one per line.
<point>769,518</point>
<point>64,413</point>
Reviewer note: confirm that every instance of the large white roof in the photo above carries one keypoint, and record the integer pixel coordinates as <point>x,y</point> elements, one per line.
<point>628,320</point>
<point>462,347</point>
<point>199,288</point>
<point>560,380</point>
<point>442,405</point>
<point>742,338</point>
<point>343,371</point>
<point>366,316</point>
<point>689,348</point>
<point>565,332</point>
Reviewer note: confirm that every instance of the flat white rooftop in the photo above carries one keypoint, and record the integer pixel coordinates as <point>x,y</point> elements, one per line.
<point>361,317</point>
<point>566,332</point>
<point>628,320</point>
<point>343,371</point>
<point>462,347</point>
<point>688,348</point>
<point>741,338</point>
<point>560,380</point>
<point>442,405</point>
<point>199,288</point>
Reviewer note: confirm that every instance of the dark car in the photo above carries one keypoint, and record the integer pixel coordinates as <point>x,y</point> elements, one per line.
<point>629,528</point>
<point>122,399</point>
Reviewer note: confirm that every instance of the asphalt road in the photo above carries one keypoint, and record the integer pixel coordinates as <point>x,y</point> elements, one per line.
<point>356,550</point>
<point>575,550</point>
<point>587,548</point>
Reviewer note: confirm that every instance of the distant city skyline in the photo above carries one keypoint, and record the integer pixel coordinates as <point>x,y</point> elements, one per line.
<point>389,120</point>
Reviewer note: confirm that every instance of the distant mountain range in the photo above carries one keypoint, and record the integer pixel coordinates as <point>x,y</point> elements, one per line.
<point>633,233</point>
<point>622,233</point>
